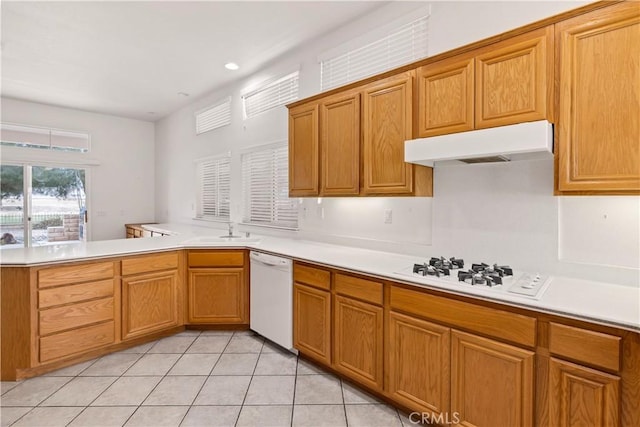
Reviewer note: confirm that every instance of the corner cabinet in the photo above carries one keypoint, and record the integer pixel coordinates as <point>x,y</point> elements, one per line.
<point>218,291</point>
<point>598,135</point>
<point>151,289</point>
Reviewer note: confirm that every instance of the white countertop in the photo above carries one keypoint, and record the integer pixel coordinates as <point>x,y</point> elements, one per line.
<point>603,303</point>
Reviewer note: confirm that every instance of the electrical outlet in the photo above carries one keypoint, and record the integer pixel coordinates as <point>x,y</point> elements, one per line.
<point>388,216</point>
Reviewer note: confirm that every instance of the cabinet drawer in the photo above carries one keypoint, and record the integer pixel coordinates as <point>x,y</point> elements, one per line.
<point>74,293</point>
<point>497,323</point>
<point>146,263</point>
<point>591,347</point>
<point>216,259</point>
<point>363,289</point>
<point>56,276</point>
<point>76,341</point>
<point>312,276</point>
<point>75,315</point>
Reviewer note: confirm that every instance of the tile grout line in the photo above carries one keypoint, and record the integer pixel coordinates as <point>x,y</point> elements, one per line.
<point>250,381</point>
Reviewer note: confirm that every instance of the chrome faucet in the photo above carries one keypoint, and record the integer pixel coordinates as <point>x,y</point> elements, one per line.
<point>230,229</point>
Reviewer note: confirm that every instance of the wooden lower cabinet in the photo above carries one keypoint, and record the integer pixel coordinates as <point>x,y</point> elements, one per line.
<point>418,365</point>
<point>357,345</point>
<point>491,382</point>
<point>581,396</point>
<point>217,295</point>
<point>312,322</point>
<point>149,303</point>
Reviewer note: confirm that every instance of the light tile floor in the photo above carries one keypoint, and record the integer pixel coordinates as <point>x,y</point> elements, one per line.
<point>195,378</point>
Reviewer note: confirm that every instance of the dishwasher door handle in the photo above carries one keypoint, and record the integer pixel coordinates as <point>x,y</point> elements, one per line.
<point>269,260</point>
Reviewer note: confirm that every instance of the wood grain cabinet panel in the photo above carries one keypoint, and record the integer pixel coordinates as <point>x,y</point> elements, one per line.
<point>582,396</point>
<point>340,145</point>
<point>76,341</point>
<point>514,80</point>
<point>387,124</point>
<point>303,150</point>
<point>312,276</point>
<point>419,361</point>
<point>75,293</point>
<point>491,382</point>
<point>312,322</point>
<point>75,315</point>
<point>149,263</point>
<point>598,146</point>
<point>149,303</point>
<point>446,96</point>
<point>357,345</point>
<point>67,275</point>
<point>218,295</point>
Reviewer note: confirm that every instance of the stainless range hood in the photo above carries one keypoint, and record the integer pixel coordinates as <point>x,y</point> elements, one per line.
<point>514,142</point>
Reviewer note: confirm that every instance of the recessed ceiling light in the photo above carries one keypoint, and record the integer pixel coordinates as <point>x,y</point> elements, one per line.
<point>231,66</point>
<point>185,94</point>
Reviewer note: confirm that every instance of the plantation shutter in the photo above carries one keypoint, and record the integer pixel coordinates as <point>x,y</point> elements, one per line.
<point>214,188</point>
<point>213,117</point>
<point>265,185</point>
<point>403,45</point>
<point>271,95</point>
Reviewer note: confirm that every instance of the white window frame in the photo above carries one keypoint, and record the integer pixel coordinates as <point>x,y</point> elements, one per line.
<point>278,92</point>
<point>377,51</point>
<point>215,206</point>
<point>271,207</point>
<point>38,137</point>
<point>214,116</point>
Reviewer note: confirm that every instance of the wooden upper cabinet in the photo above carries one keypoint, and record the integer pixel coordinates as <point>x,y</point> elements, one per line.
<point>514,80</point>
<point>303,150</point>
<point>340,145</point>
<point>598,135</point>
<point>386,125</point>
<point>446,96</point>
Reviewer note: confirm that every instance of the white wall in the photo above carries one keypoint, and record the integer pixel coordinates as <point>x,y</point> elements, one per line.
<point>498,213</point>
<point>120,185</point>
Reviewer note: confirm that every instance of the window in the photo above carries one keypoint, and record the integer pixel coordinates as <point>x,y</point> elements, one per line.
<point>402,45</point>
<point>265,188</point>
<point>214,116</point>
<point>36,137</point>
<point>271,95</point>
<point>214,188</point>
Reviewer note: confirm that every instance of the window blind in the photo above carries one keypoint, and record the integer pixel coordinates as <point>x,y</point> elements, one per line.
<point>36,137</point>
<point>271,95</point>
<point>265,187</point>
<point>214,116</point>
<point>214,188</point>
<point>403,45</point>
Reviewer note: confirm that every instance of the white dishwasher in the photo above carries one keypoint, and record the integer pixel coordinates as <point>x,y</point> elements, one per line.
<point>271,299</point>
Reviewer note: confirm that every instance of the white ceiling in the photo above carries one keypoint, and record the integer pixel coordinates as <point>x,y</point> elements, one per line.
<point>132,58</point>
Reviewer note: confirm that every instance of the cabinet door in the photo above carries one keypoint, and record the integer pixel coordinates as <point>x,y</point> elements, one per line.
<point>340,145</point>
<point>312,322</point>
<point>357,346</point>
<point>446,96</point>
<point>149,303</point>
<point>514,80</point>
<point>419,361</point>
<point>598,125</point>
<point>386,125</point>
<point>218,295</point>
<point>303,150</point>
<point>491,382</point>
<point>580,396</point>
